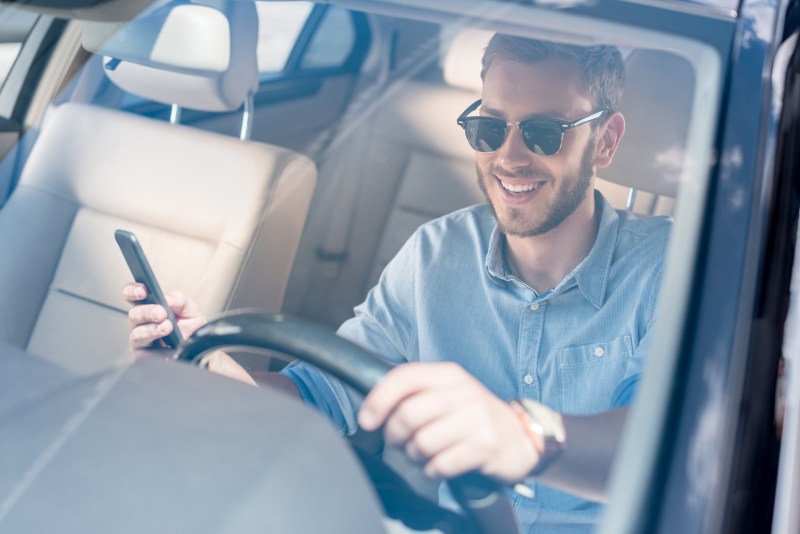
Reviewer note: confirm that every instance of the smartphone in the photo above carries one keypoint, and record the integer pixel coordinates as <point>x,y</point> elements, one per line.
<point>143,274</point>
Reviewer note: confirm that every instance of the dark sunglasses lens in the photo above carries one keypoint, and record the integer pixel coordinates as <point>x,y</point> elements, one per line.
<point>483,134</point>
<point>542,139</point>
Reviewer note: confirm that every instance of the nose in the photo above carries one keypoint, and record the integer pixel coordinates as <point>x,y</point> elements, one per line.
<point>513,154</point>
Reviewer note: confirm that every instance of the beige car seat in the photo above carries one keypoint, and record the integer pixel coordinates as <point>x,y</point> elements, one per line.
<point>657,105</point>
<point>218,217</point>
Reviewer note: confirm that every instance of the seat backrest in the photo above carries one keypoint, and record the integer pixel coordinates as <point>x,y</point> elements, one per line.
<point>657,105</point>
<point>219,218</point>
<point>404,164</point>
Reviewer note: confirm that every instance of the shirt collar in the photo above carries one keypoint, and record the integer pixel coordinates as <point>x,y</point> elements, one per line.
<point>495,256</point>
<point>591,275</point>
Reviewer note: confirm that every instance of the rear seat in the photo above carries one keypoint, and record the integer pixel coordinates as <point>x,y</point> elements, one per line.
<point>405,166</point>
<point>657,105</point>
<point>210,210</point>
<point>408,162</point>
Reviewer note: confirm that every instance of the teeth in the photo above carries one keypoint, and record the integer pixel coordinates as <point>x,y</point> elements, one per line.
<point>521,188</point>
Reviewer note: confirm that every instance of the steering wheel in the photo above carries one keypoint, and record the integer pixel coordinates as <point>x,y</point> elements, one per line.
<point>483,501</point>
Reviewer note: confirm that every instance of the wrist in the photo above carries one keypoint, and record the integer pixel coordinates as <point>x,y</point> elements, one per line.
<point>531,438</point>
<point>545,430</point>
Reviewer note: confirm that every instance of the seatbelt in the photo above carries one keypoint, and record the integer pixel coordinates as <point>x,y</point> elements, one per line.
<point>347,175</point>
<point>333,251</point>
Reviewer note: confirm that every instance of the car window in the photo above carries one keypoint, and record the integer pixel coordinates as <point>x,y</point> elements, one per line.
<point>15,26</point>
<point>280,24</point>
<point>332,42</point>
<point>300,45</point>
<point>384,199</point>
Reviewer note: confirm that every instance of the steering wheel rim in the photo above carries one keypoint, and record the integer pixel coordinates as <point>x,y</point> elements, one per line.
<point>482,499</point>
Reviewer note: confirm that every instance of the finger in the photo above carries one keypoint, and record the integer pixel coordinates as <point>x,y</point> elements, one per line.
<point>143,336</point>
<point>134,292</point>
<point>420,409</point>
<point>403,381</point>
<point>189,316</point>
<point>177,302</point>
<point>491,441</point>
<point>453,461</point>
<point>182,306</point>
<point>439,435</point>
<point>146,313</point>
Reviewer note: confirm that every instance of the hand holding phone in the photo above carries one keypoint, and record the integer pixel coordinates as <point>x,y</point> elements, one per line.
<point>143,274</point>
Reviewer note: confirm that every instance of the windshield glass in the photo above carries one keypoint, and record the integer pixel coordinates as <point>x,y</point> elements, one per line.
<point>498,185</point>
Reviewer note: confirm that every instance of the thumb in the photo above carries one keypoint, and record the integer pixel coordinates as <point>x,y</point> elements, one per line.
<point>181,305</point>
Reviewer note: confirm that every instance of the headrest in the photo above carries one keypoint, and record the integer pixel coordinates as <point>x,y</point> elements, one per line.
<point>199,54</point>
<point>657,105</point>
<point>462,55</point>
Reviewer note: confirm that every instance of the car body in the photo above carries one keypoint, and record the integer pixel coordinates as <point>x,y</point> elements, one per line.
<point>351,106</point>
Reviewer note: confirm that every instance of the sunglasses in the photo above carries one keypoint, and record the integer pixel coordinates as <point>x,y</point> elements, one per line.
<point>542,136</point>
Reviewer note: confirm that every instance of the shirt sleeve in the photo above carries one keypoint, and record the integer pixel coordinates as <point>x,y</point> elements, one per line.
<point>383,324</point>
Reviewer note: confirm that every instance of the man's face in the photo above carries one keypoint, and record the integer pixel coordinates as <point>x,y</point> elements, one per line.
<point>513,92</point>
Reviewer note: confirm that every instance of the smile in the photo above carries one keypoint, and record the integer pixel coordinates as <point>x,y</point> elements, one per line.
<point>520,188</point>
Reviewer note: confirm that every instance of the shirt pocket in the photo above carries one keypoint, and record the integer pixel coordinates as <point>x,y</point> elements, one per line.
<point>589,374</point>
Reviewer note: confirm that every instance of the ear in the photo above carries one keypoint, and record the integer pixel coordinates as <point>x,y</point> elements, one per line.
<point>610,134</point>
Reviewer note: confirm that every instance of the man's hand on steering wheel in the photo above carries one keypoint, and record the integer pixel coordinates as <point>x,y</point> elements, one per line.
<point>447,420</point>
<point>486,507</point>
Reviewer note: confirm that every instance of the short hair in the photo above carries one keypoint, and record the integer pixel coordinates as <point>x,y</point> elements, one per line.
<point>601,66</point>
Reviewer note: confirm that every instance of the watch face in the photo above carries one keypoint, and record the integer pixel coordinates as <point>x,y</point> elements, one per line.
<point>548,421</point>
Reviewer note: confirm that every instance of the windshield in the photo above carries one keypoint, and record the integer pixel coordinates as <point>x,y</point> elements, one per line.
<point>515,189</point>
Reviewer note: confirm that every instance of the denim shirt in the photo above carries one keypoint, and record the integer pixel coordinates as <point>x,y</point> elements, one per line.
<point>578,348</point>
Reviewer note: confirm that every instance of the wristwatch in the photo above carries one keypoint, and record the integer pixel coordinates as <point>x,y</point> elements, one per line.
<point>543,426</point>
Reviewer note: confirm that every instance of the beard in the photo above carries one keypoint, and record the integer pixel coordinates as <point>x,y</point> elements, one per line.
<point>569,196</point>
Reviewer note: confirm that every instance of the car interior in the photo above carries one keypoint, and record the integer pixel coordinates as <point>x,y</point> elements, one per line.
<point>395,160</point>
<point>210,227</point>
<point>285,189</point>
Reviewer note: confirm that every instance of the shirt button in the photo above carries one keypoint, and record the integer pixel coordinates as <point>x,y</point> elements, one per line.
<point>598,351</point>
<point>528,379</point>
<point>535,306</point>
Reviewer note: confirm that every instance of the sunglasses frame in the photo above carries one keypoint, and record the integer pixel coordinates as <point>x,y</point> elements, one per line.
<point>563,126</point>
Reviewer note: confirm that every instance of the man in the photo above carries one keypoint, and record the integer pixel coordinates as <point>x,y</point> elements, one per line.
<point>545,295</point>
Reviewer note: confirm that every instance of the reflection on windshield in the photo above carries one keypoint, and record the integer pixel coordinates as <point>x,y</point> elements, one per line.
<point>489,212</point>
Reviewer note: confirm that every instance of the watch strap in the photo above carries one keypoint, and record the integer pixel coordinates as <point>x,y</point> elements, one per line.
<point>543,426</point>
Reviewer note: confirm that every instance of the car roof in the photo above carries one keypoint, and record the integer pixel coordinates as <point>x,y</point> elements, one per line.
<point>121,10</point>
